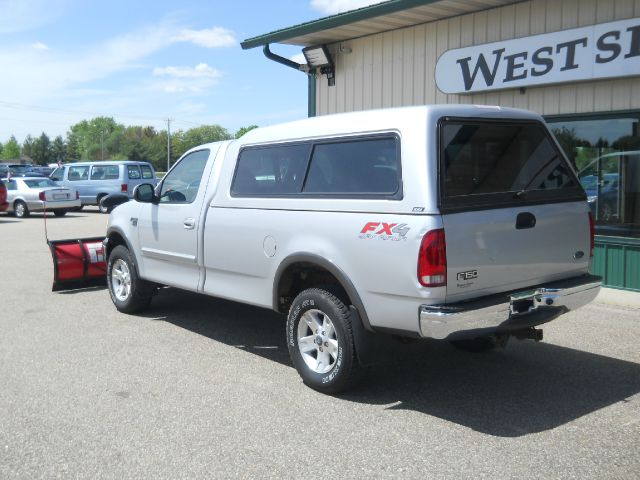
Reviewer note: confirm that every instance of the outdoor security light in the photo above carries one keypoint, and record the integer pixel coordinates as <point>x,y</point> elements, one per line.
<point>319,57</point>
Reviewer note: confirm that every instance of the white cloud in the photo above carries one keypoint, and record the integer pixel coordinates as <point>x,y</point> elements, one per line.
<point>39,46</point>
<point>32,75</point>
<point>186,79</point>
<point>215,37</point>
<point>331,7</point>
<point>202,70</point>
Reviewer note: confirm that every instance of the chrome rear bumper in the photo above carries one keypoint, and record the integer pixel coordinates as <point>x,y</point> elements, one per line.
<point>508,311</point>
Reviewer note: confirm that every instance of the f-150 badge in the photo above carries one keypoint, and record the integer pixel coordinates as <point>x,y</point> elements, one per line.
<point>464,276</point>
<point>385,231</point>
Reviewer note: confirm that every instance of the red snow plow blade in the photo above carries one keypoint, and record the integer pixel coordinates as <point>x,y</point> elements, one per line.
<point>78,263</point>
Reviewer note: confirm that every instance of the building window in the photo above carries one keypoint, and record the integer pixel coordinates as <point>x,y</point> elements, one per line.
<point>606,154</point>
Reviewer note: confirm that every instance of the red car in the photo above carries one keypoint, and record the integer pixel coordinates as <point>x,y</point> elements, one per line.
<point>3,197</point>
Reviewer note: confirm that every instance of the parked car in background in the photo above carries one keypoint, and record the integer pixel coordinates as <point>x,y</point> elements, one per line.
<point>39,170</point>
<point>95,180</point>
<point>3,197</point>
<point>21,170</point>
<point>34,194</point>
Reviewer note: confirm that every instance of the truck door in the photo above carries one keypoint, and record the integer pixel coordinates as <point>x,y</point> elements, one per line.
<point>168,229</point>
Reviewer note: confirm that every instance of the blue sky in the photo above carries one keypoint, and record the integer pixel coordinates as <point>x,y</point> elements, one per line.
<point>140,62</point>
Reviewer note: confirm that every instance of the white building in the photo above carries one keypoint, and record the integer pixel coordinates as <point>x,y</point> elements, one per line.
<point>577,62</point>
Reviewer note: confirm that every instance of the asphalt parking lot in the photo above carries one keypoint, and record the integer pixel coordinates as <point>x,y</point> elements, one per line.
<point>203,388</point>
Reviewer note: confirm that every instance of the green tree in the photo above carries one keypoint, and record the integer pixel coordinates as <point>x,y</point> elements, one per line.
<point>244,130</point>
<point>1,147</point>
<point>41,149</point>
<point>97,138</point>
<point>73,148</point>
<point>27,146</point>
<point>58,150</point>
<point>204,134</point>
<point>11,150</point>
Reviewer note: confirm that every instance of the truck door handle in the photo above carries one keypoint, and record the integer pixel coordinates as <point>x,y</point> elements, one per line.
<point>189,223</point>
<point>525,220</point>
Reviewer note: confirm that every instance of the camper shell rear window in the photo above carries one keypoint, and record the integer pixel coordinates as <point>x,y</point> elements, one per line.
<point>499,163</point>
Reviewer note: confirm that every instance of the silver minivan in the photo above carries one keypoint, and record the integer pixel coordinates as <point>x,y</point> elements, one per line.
<point>95,180</point>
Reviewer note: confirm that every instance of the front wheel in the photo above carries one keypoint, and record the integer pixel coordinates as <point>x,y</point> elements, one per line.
<point>129,293</point>
<point>320,341</point>
<point>101,206</point>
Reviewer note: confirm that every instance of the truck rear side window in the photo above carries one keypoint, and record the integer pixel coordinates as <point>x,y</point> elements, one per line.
<point>350,167</point>
<point>368,166</point>
<point>486,164</point>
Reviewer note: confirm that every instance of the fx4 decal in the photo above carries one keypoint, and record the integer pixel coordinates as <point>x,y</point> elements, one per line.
<point>385,231</point>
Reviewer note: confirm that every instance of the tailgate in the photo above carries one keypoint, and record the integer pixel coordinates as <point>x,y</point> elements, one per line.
<point>487,252</point>
<point>514,213</point>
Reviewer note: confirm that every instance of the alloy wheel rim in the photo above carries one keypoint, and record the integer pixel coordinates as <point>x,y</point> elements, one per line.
<point>317,341</point>
<point>20,210</point>
<point>121,280</point>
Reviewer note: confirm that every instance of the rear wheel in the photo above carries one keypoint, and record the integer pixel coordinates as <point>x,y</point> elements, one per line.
<point>129,293</point>
<point>59,213</point>
<point>20,209</point>
<point>320,341</point>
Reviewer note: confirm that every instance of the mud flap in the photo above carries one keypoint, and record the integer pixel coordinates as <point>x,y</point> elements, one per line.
<point>366,343</point>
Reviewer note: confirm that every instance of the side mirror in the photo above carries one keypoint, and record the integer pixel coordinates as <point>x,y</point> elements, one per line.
<point>144,193</point>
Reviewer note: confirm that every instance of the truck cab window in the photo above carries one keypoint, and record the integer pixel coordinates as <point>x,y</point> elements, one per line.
<point>182,183</point>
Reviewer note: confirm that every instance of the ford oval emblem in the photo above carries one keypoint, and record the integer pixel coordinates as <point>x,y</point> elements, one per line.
<point>578,255</point>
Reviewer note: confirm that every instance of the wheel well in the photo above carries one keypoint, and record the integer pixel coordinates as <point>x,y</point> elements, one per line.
<point>100,196</point>
<point>115,239</point>
<point>300,276</point>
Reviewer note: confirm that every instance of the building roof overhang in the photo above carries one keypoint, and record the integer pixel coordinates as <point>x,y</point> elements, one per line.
<point>378,18</point>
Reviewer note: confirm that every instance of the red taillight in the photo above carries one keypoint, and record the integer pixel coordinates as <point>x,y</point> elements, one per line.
<point>41,196</point>
<point>592,233</point>
<point>123,188</point>
<point>432,260</point>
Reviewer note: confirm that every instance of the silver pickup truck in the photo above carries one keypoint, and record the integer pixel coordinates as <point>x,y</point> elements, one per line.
<point>460,223</point>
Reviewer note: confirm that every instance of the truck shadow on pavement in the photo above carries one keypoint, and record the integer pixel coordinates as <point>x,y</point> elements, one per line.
<point>522,389</point>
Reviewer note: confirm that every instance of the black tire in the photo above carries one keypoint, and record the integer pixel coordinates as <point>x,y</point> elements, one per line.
<point>476,345</point>
<point>59,213</point>
<point>138,296</point>
<point>20,209</point>
<point>341,372</point>
<point>102,208</point>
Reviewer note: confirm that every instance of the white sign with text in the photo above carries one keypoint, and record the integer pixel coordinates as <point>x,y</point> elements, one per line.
<point>606,50</point>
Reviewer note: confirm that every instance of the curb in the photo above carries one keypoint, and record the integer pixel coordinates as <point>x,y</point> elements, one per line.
<point>624,298</point>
